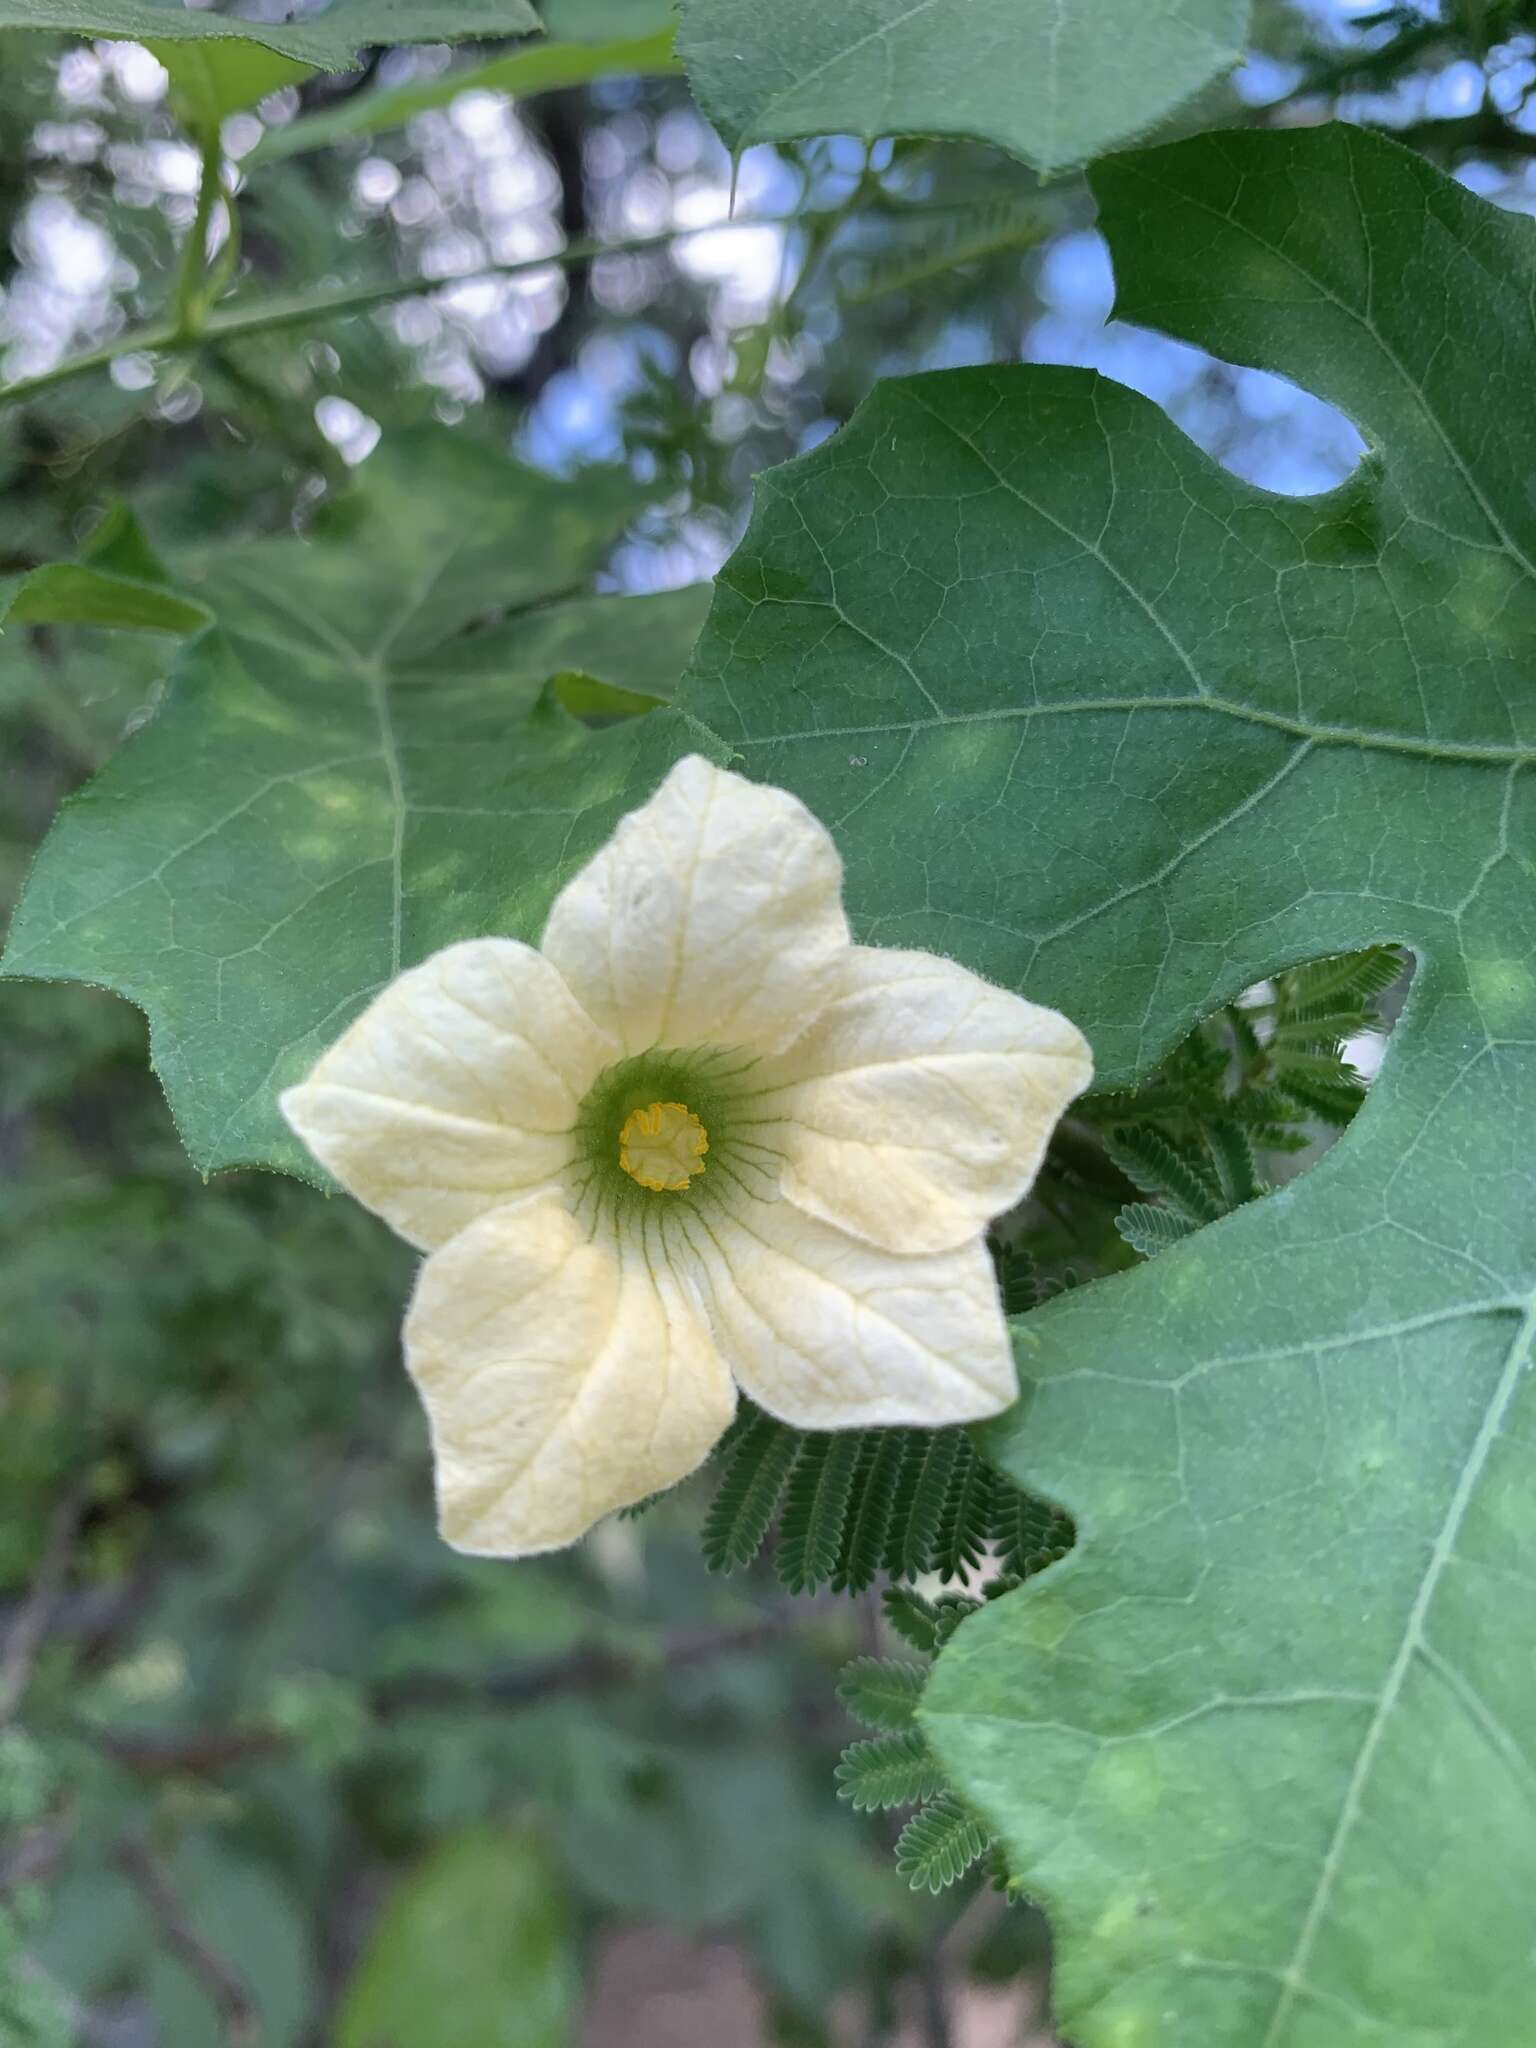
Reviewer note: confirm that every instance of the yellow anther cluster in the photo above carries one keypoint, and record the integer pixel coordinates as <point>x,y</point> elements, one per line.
<point>662,1146</point>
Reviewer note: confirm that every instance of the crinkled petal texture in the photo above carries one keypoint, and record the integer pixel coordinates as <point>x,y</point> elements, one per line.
<point>822,1241</point>
<point>563,1378</point>
<point>455,1090</point>
<point>713,916</point>
<point>920,1103</point>
<point>827,1332</point>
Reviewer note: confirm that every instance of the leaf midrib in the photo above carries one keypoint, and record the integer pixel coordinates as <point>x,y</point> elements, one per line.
<point>371,666</point>
<point>1490,751</point>
<point>1292,1977</point>
<point>882,32</point>
<point>1203,699</point>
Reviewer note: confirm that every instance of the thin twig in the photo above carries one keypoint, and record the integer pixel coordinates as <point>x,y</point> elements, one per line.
<point>224,1985</point>
<point>188,1752</point>
<point>89,1615</point>
<point>933,1994</point>
<point>234,323</point>
<point>27,1632</point>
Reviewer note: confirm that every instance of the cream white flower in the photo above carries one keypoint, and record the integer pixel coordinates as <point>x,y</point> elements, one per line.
<point>698,1140</point>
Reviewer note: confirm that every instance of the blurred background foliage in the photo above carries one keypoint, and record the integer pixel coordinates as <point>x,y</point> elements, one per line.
<point>275,1765</point>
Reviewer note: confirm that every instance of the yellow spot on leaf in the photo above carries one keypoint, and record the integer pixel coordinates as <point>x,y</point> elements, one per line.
<point>662,1146</point>
<point>1501,989</point>
<point>1130,1779</point>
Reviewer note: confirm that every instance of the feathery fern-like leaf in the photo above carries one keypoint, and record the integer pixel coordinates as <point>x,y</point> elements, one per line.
<point>1331,1102</point>
<point>939,1844</point>
<point>867,1528</point>
<point>881,1692</point>
<point>1199,1067</point>
<point>960,1541</point>
<point>1150,1230</point>
<point>1151,1161</point>
<point>756,1466</point>
<point>1018,1278</point>
<point>888,1770</point>
<point>816,1508</point>
<point>1335,1017</point>
<point>913,1618</point>
<point>921,1487</point>
<point>1343,979</point>
<point>950,1609</point>
<point>1234,1160</point>
<point>1259,1108</point>
<point>856,1503</point>
<point>1031,1535</point>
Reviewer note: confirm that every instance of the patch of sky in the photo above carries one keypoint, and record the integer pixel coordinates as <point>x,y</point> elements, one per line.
<point>962,343</point>
<point>577,417</point>
<point>1262,81</point>
<point>1259,426</point>
<point>473,189</point>
<point>347,427</point>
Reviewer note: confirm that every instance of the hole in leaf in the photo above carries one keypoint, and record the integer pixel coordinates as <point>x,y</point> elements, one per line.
<point>1254,1096</point>
<point>1259,426</point>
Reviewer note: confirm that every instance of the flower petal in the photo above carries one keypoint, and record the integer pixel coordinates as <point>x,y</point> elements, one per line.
<point>563,1379</point>
<point>920,1103</point>
<point>713,916</point>
<point>827,1333</point>
<point>456,1089</point>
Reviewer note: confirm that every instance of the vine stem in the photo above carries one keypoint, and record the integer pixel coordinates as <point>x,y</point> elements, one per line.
<point>235,323</point>
<point>238,2016</point>
<point>189,307</point>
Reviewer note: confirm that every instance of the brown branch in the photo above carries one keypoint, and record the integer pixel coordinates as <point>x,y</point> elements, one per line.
<point>188,1752</point>
<point>93,1615</point>
<point>30,1628</point>
<point>238,2017</point>
<point>209,1752</point>
<point>34,1856</point>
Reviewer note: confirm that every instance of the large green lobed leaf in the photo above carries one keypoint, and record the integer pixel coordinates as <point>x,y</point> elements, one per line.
<point>1052,81</point>
<point>1115,728</point>
<point>219,63</point>
<point>541,67</point>
<point>344,778</point>
<point>76,594</point>
<point>329,39</point>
